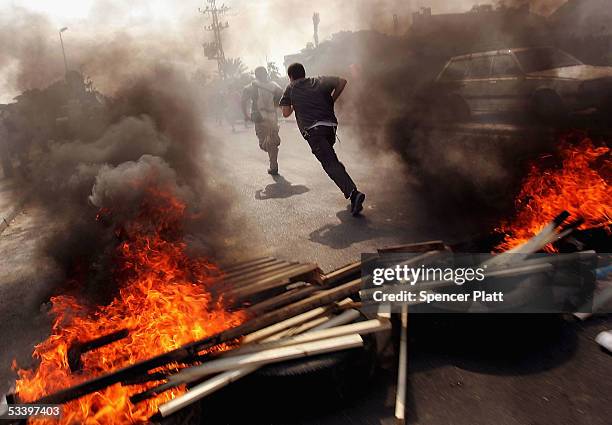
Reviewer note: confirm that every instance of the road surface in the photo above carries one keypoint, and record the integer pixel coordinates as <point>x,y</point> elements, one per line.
<point>522,371</point>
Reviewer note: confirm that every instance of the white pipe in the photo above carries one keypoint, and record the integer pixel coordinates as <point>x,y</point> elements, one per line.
<point>361,328</point>
<point>267,356</point>
<point>291,322</point>
<point>305,327</point>
<point>202,390</point>
<point>347,316</point>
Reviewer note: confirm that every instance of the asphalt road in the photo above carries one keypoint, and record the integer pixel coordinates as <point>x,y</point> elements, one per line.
<point>302,215</point>
<point>463,370</point>
<point>475,371</point>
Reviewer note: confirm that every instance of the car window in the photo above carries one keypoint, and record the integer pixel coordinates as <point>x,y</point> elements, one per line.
<point>504,65</point>
<point>480,67</point>
<point>455,70</point>
<point>542,58</point>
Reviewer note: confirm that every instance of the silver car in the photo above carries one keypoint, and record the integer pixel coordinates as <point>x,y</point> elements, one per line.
<point>541,80</point>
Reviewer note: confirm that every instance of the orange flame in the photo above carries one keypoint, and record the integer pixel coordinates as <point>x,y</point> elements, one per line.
<point>163,300</point>
<point>580,186</point>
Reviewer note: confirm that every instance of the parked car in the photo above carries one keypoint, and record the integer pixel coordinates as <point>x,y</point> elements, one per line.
<point>541,80</point>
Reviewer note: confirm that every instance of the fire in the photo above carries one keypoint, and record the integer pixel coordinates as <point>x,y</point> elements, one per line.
<point>579,186</point>
<point>163,300</point>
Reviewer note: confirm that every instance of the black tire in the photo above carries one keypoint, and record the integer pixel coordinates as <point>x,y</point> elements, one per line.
<point>548,107</point>
<point>320,363</point>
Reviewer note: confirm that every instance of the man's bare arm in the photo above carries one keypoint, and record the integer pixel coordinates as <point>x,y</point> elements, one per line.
<point>339,89</point>
<point>287,110</point>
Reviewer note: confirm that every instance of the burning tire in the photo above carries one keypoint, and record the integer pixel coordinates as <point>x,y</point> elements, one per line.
<point>325,363</point>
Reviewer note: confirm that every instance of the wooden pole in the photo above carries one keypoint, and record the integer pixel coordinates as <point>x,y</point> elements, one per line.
<point>189,351</point>
<point>402,369</point>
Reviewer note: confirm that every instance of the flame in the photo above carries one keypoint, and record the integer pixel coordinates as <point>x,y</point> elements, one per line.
<point>580,186</point>
<point>163,300</point>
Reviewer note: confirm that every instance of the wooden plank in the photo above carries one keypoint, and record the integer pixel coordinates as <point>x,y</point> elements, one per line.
<point>251,269</point>
<point>273,281</point>
<point>350,271</point>
<point>247,278</point>
<point>245,264</point>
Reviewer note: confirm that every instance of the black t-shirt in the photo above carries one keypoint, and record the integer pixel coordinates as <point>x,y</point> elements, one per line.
<point>311,100</point>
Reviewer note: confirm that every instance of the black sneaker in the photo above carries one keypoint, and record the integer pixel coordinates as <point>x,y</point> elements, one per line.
<point>357,199</point>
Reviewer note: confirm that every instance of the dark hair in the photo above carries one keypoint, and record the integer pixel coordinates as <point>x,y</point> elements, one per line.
<point>261,72</point>
<point>296,70</point>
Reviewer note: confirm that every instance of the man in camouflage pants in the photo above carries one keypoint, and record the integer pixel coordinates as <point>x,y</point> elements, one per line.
<point>264,96</point>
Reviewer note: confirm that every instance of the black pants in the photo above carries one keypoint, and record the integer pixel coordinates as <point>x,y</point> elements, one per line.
<point>321,140</point>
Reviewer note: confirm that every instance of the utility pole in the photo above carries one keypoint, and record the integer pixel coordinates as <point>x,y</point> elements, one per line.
<point>63,51</point>
<point>214,49</point>
<point>315,23</point>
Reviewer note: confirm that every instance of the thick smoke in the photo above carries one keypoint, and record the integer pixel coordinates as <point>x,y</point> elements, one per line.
<point>471,173</point>
<point>112,45</point>
<point>108,151</point>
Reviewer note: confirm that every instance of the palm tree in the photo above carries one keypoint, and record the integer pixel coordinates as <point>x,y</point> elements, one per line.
<point>273,71</point>
<point>233,67</point>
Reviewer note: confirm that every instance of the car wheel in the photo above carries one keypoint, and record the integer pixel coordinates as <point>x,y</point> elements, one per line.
<point>548,106</point>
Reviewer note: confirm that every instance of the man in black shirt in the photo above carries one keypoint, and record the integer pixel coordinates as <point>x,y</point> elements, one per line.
<point>313,99</point>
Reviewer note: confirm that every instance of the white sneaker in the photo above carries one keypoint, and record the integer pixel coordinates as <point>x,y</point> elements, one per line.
<point>605,340</point>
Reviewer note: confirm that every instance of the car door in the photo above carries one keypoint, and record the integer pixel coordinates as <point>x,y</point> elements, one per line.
<point>477,82</point>
<point>507,89</point>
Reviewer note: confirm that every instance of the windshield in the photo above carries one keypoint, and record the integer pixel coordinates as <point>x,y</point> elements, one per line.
<point>543,58</point>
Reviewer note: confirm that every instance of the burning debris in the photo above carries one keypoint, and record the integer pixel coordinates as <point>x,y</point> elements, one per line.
<point>579,185</point>
<point>164,330</point>
<point>138,229</point>
<point>164,301</point>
